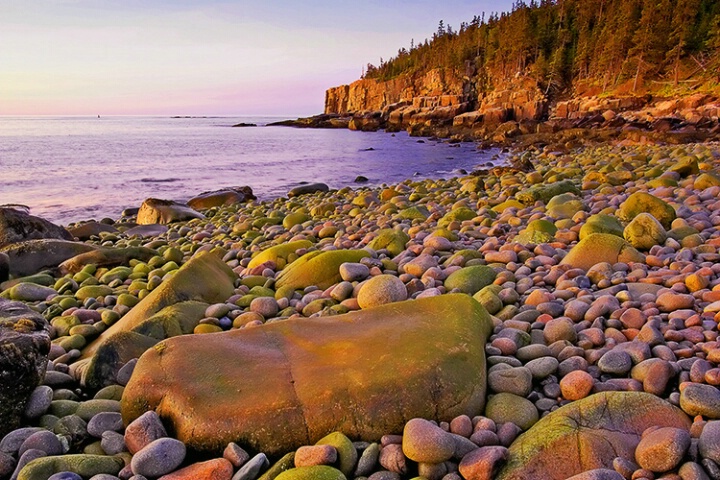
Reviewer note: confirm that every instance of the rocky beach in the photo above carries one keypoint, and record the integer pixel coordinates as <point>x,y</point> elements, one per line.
<point>551,322</point>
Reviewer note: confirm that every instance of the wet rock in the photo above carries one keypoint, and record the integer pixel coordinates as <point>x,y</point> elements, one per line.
<point>222,197</point>
<point>155,210</point>
<point>19,226</point>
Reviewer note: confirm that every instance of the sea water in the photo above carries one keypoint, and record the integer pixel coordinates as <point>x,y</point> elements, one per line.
<point>67,169</point>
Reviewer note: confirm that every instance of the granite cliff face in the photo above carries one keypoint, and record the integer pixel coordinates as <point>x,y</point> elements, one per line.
<point>373,95</point>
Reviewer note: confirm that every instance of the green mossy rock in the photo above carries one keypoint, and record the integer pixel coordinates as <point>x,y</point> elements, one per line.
<point>321,269</point>
<point>685,165</point>
<point>601,223</point>
<point>508,407</point>
<point>565,205</point>
<point>641,202</point>
<point>470,279</point>
<point>462,256</point>
<point>644,232</point>
<point>706,180</point>
<point>29,292</point>
<point>544,193</point>
<point>419,358</point>
<point>488,298</point>
<point>588,434</point>
<point>279,253</point>
<point>414,213</point>
<point>204,279</point>
<point>93,291</point>
<point>392,240</point>
<point>662,182</point>
<point>512,203</point>
<point>537,231</point>
<point>317,472</point>
<point>295,218</point>
<point>457,215</point>
<point>347,454</point>
<point>84,465</point>
<point>285,463</point>
<point>601,247</point>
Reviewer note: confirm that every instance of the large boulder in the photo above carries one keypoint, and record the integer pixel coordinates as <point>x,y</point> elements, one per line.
<point>86,230</point>
<point>32,256</point>
<point>285,384</point>
<point>106,257</point>
<point>601,247</point>
<point>18,226</point>
<point>641,202</point>
<point>308,188</point>
<point>320,269</point>
<point>155,210</point>
<point>222,197</point>
<point>644,232</point>
<point>588,434</point>
<point>173,308</point>
<point>24,345</point>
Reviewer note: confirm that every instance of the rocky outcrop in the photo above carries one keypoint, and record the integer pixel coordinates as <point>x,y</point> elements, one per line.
<point>18,226</point>
<point>373,95</point>
<point>289,383</point>
<point>24,346</point>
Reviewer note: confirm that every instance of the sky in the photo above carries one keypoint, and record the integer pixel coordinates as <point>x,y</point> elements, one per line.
<point>189,57</point>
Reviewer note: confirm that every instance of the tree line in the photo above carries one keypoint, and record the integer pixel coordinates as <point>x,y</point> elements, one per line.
<point>559,42</point>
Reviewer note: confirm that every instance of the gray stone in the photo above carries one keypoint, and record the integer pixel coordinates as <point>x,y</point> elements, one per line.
<point>709,443</point>
<point>615,362</point>
<point>18,226</point>
<point>39,401</point>
<point>113,442</point>
<point>252,468</point>
<point>103,422</point>
<point>159,457</point>
<point>43,440</point>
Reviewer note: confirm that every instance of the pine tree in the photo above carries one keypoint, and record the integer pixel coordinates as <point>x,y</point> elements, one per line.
<point>682,25</point>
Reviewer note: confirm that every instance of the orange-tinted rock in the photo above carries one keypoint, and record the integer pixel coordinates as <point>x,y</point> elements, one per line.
<point>219,198</point>
<point>588,434</point>
<point>216,469</point>
<point>291,382</point>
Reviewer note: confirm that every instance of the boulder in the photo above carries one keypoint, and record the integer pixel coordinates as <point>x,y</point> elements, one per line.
<point>84,465</point>
<point>222,197</point>
<point>641,202</point>
<point>292,382</point>
<point>321,269</point>
<point>601,247</point>
<point>644,232</point>
<point>86,230</point>
<point>545,192</point>
<point>29,257</point>
<point>106,257</point>
<point>155,210</point>
<point>588,434</point>
<point>279,254</point>
<point>393,241</point>
<point>18,226</point>
<point>24,346</point>
<point>173,308</point>
<point>601,223</point>
<point>538,231</point>
<point>565,205</point>
<point>308,188</point>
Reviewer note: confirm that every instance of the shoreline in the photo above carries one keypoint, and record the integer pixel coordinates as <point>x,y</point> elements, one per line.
<point>598,275</point>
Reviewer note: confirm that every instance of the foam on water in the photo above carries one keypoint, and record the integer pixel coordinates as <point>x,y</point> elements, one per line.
<point>74,168</point>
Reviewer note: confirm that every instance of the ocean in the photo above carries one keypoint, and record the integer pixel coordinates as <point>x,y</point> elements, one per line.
<point>67,169</point>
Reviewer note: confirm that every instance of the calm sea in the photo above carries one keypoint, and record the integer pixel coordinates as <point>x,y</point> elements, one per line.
<point>76,168</point>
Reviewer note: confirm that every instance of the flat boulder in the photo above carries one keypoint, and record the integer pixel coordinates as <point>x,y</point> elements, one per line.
<point>308,188</point>
<point>173,308</point>
<point>320,269</point>
<point>86,230</point>
<point>601,247</point>
<point>32,256</point>
<point>155,210</point>
<point>19,226</point>
<point>222,197</point>
<point>24,346</point>
<point>588,434</point>
<point>290,383</point>
<point>106,257</point>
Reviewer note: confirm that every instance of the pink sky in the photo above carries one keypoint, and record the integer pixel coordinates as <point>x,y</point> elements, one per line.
<point>187,57</point>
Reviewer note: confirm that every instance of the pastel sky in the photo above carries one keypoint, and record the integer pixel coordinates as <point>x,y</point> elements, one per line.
<point>190,57</point>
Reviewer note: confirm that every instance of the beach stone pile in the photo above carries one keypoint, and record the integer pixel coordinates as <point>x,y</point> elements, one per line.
<point>558,323</point>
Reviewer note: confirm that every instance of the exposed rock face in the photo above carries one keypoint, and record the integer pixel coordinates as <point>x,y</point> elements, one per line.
<point>154,210</point>
<point>292,382</point>
<point>173,308</point>
<point>219,198</point>
<point>588,434</point>
<point>29,257</point>
<point>371,94</point>
<point>24,345</point>
<point>18,226</point>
